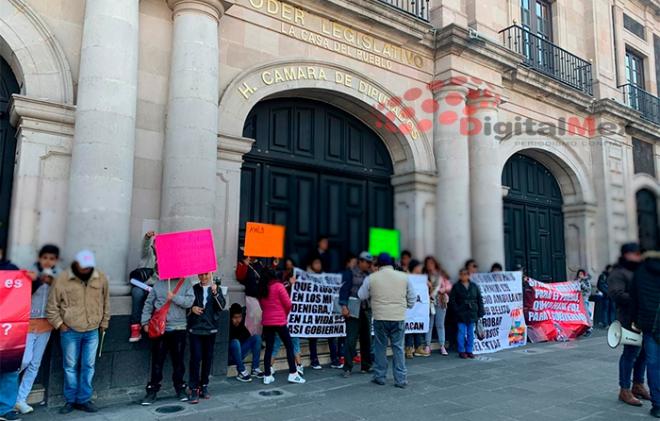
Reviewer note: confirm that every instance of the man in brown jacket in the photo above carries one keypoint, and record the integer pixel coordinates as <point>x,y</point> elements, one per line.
<point>79,307</point>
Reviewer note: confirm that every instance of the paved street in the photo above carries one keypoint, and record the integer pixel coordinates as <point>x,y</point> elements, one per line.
<point>554,381</point>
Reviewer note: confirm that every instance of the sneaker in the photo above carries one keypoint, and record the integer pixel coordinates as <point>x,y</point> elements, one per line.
<point>13,415</point>
<point>181,395</point>
<point>257,373</point>
<point>316,366</point>
<point>357,359</point>
<point>462,355</point>
<point>401,385</point>
<point>346,374</point>
<point>337,365</point>
<point>66,409</point>
<point>193,397</point>
<point>342,360</point>
<point>204,392</point>
<point>136,333</point>
<point>379,382</point>
<point>295,378</point>
<point>23,408</point>
<point>149,398</point>
<point>244,377</point>
<point>269,379</point>
<point>443,351</point>
<point>588,333</point>
<point>470,355</point>
<point>421,352</point>
<point>301,369</point>
<point>655,412</point>
<point>366,370</point>
<point>88,407</point>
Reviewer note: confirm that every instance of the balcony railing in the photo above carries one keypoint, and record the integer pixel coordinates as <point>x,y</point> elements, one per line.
<point>417,8</point>
<point>648,105</point>
<point>549,59</point>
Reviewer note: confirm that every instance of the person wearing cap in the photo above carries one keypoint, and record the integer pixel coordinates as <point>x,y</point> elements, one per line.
<point>357,325</point>
<point>646,301</point>
<point>633,360</point>
<point>45,270</point>
<point>79,307</point>
<point>390,293</point>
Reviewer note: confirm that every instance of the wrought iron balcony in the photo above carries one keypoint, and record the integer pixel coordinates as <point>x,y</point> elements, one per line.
<point>417,8</point>
<point>549,59</point>
<point>647,104</point>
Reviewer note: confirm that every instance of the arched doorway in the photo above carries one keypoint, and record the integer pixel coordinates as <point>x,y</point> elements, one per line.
<point>8,86</point>
<point>647,220</point>
<point>533,220</point>
<point>316,170</point>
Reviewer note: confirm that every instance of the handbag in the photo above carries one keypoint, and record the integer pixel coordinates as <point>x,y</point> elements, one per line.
<point>479,330</point>
<point>156,326</point>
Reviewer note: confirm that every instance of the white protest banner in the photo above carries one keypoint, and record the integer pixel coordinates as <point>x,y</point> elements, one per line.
<point>417,318</point>
<point>312,312</point>
<point>504,322</point>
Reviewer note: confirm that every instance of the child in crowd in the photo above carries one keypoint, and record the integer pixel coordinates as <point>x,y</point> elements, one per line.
<point>147,273</point>
<point>465,298</point>
<point>439,289</point>
<point>173,341</point>
<point>287,274</point>
<point>203,324</point>
<point>276,305</point>
<point>242,343</point>
<point>316,266</point>
<point>413,340</point>
<point>45,271</point>
<point>585,287</point>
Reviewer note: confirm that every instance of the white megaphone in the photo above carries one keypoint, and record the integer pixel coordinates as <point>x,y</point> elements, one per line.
<point>617,335</point>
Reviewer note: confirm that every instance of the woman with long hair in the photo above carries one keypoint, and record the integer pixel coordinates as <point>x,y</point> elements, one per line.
<point>276,305</point>
<point>439,289</point>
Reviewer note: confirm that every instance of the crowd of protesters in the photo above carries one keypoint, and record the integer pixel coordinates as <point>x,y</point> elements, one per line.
<point>374,296</point>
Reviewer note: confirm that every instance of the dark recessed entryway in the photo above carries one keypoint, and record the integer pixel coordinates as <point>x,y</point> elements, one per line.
<point>647,220</point>
<point>533,220</point>
<point>316,170</point>
<point>8,86</point>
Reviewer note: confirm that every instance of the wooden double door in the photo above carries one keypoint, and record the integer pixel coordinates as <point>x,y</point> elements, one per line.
<point>533,220</point>
<point>318,171</point>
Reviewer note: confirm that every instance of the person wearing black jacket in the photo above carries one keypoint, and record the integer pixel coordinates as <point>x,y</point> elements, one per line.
<point>633,360</point>
<point>203,324</point>
<point>241,343</point>
<point>646,299</point>
<point>468,305</point>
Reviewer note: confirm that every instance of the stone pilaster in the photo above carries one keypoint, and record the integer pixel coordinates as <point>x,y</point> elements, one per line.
<point>414,211</point>
<point>485,180</point>
<point>452,202</point>
<point>101,176</point>
<point>189,162</point>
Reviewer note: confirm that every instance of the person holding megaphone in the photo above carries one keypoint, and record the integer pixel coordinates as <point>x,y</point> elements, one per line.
<point>633,361</point>
<point>646,299</point>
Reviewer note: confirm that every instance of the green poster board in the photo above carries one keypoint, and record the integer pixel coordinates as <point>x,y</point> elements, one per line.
<point>383,240</point>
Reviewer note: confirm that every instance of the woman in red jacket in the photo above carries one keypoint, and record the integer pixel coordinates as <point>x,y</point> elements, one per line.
<point>275,306</point>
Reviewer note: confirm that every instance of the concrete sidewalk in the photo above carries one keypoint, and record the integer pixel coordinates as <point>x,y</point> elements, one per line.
<point>551,381</point>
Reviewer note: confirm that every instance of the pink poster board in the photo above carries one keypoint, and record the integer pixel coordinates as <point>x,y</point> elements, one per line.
<point>185,253</point>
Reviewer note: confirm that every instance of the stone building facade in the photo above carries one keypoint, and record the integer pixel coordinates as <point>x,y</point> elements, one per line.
<point>516,131</point>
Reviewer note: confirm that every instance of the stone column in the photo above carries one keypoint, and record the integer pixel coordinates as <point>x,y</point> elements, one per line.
<point>619,45</point>
<point>486,211</point>
<point>414,211</point>
<point>189,167</point>
<point>101,175</point>
<point>452,202</point>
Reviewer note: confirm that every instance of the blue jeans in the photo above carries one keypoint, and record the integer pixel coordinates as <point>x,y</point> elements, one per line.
<point>652,351</point>
<point>238,351</point>
<point>35,345</point>
<point>632,363</point>
<point>389,331</point>
<point>278,345</point>
<point>437,320</point>
<point>8,391</point>
<point>79,346</point>
<point>414,340</point>
<point>465,339</point>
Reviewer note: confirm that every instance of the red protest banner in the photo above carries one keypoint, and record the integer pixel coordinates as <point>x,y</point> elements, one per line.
<point>554,312</point>
<point>15,296</point>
